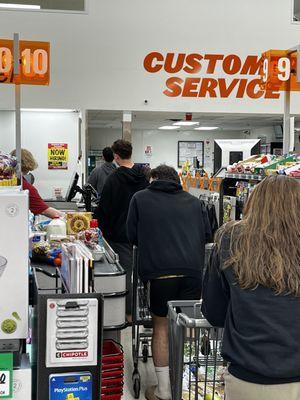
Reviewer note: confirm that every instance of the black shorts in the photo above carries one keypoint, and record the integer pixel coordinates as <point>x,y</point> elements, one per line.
<point>164,290</point>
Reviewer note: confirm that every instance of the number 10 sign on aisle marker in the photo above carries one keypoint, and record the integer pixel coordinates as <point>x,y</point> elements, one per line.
<point>34,63</point>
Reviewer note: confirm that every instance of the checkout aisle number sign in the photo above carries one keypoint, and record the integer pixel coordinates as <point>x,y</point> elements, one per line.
<point>34,63</point>
<point>279,70</point>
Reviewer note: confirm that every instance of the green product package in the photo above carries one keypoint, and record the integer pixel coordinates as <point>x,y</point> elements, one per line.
<point>6,375</point>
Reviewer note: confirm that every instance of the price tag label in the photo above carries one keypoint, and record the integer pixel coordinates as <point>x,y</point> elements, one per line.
<point>5,384</point>
<point>6,376</point>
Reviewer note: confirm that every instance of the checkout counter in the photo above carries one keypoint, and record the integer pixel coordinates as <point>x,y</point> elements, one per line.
<point>48,287</point>
<point>109,280</point>
<point>88,195</point>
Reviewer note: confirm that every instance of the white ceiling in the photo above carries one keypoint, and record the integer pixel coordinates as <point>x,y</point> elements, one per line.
<point>153,120</point>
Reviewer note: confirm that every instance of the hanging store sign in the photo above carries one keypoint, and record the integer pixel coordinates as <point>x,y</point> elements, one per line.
<point>212,75</point>
<point>279,70</point>
<point>34,63</point>
<point>58,156</point>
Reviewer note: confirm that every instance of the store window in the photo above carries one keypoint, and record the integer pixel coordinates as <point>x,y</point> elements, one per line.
<point>296,10</point>
<point>44,5</point>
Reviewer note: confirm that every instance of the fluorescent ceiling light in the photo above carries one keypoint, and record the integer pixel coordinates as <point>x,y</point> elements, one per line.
<point>186,123</point>
<point>168,127</point>
<point>206,128</point>
<point>20,6</point>
<point>56,110</point>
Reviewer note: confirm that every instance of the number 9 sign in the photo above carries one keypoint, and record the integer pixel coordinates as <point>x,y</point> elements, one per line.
<point>34,63</point>
<point>278,71</point>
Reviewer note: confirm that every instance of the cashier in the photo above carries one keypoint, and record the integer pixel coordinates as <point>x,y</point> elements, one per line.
<point>36,204</point>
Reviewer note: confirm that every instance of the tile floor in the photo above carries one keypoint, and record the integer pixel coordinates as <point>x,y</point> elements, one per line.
<point>147,372</point>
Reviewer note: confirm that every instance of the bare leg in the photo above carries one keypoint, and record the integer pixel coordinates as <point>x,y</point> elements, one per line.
<point>160,352</point>
<point>160,341</point>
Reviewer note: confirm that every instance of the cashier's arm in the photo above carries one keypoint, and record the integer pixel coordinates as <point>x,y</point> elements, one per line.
<point>52,213</point>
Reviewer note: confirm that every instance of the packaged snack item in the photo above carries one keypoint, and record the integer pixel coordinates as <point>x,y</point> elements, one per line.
<point>57,227</point>
<point>8,170</point>
<point>78,222</point>
<point>93,239</point>
<point>40,249</point>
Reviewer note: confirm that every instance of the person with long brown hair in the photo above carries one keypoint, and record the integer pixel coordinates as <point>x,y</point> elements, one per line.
<point>252,289</point>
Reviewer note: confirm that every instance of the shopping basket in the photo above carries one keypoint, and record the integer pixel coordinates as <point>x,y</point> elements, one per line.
<point>112,371</point>
<point>196,365</point>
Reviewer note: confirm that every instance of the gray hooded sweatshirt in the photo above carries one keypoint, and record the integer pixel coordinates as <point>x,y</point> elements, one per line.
<point>99,175</point>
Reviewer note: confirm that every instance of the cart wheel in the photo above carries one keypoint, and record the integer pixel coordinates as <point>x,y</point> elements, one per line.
<point>145,353</point>
<point>136,379</point>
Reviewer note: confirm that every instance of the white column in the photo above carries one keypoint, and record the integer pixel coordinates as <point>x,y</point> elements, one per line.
<point>126,126</point>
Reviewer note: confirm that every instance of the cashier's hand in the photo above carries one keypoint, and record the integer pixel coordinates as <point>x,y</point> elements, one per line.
<point>53,213</point>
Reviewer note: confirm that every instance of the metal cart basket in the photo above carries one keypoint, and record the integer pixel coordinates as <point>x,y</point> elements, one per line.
<point>141,325</point>
<point>196,365</point>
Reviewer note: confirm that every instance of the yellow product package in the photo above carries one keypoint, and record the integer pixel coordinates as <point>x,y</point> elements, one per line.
<point>78,222</point>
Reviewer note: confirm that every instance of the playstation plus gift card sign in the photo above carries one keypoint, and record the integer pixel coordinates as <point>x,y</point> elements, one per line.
<point>71,386</point>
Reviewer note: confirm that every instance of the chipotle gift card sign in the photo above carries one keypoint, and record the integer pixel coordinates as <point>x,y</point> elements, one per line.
<point>72,331</point>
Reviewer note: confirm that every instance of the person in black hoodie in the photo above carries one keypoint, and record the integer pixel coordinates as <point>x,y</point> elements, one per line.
<point>252,289</point>
<point>112,211</point>
<point>170,229</point>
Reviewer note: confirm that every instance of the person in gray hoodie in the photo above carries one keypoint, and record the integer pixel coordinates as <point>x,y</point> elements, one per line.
<point>99,174</point>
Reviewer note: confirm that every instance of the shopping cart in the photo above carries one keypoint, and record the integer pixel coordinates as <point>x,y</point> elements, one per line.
<point>196,365</point>
<point>141,325</point>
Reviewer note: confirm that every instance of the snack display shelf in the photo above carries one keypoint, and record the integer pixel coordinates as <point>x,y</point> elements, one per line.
<point>255,177</point>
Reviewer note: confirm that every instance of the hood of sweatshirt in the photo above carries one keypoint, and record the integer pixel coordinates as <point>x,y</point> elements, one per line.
<point>132,176</point>
<point>165,186</point>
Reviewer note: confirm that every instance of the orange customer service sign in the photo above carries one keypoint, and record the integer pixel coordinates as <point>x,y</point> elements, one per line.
<point>222,76</point>
<point>34,63</point>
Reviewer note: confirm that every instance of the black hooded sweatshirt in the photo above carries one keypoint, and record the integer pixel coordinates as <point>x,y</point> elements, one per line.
<point>117,192</point>
<point>170,228</point>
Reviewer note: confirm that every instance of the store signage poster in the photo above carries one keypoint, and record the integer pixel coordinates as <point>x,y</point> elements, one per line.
<point>6,375</point>
<point>188,150</point>
<point>148,151</point>
<point>206,75</point>
<point>58,156</point>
